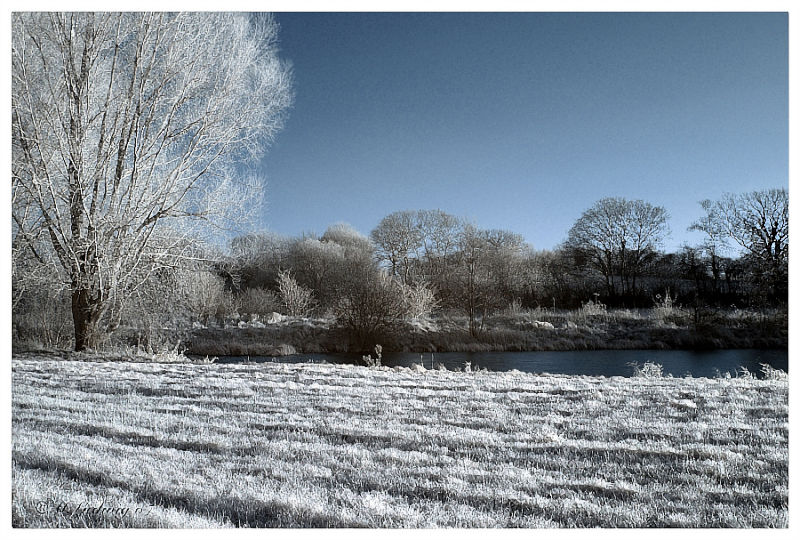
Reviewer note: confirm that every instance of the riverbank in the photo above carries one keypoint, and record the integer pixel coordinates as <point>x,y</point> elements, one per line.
<point>278,445</point>
<point>540,330</point>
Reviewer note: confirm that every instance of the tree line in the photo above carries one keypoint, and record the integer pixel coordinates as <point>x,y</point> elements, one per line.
<point>415,262</point>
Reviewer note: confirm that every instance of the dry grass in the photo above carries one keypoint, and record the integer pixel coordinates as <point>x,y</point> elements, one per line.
<point>303,445</point>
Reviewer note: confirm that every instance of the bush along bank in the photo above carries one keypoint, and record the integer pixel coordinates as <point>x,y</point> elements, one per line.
<point>539,330</point>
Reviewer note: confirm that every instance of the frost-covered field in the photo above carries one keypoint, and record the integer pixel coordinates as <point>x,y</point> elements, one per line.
<point>181,445</point>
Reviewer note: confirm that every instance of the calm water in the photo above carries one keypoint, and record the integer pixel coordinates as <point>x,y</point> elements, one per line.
<point>607,363</point>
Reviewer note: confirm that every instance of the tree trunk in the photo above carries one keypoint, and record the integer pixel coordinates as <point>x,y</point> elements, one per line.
<point>715,274</point>
<point>85,316</point>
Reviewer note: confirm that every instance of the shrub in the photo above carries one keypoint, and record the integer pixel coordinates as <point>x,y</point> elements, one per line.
<point>170,356</point>
<point>297,300</point>
<point>42,318</point>
<point>371,305</point>
<point>593,307</point>
<point>663,307</point>
<point>514,309</point>
<point>648,370</point>
<point>203,293</point>
<point>259,301</point>
<point>373,362</point>
<point>420,300</point>
<point>772,374</point>
<point>228,307</point>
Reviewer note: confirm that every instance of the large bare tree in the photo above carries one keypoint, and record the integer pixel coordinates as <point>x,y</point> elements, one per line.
<point>759,222</point>
<point>126,127</point>
<point>618,237</point>
<point>715,241</point>
<point>397,239</point>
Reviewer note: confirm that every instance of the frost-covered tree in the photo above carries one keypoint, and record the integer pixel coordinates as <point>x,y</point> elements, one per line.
<point>440,234</point>
<point>397,238</point>
<point>715,241</point>
<point>356,244</point>
<point>481,270</point>
<point>618,237</point>
<point>323,265</point>
<point>125,129</point>
<point>759,223</point>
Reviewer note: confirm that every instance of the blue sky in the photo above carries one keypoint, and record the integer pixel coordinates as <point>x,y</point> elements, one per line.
<point>521,121</point>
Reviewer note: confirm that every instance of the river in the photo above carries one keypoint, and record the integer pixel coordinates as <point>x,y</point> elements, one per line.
<point>606,363</point>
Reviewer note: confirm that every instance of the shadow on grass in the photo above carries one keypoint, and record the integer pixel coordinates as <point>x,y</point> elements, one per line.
<point>241,513</point>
